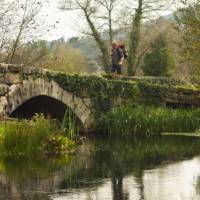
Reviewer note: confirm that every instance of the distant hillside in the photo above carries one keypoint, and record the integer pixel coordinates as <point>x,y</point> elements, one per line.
<point>87,45</point>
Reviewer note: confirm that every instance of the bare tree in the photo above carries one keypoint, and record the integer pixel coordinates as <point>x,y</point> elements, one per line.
<point>19,24</point>
<point>99,17</point>
<point>109,6</point>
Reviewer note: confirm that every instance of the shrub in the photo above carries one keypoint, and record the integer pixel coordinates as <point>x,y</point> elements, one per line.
<point>33,138</point>
<point>160,61</point>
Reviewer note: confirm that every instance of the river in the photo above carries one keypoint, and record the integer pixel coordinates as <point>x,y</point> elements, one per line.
<point>166,168</point>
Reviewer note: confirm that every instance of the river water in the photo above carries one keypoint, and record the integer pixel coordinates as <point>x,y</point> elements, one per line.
<point>135,169</point>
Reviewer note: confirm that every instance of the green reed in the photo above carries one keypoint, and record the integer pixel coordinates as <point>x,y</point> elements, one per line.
<point>69,126</point>
<point>127,120</point>
<point>38,137</point>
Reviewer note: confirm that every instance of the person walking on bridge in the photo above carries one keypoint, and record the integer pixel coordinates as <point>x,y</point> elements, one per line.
<point>117,60</point>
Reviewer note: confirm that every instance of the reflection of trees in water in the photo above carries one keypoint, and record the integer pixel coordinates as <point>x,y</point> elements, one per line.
<point>198,185</point>
<point>117,186</point>
<point>109,158</point>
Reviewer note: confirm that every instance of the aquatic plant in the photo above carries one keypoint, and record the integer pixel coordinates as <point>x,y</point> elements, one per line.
<point>69,127</point>
<point>33,138</point>
<point>128,120</point>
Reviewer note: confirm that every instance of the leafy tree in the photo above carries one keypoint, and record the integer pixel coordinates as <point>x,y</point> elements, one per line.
<point>144,9</point>
<point>55,55</point>
<point>159,62</point>
<point>188,20</point>
<point>64,58</point>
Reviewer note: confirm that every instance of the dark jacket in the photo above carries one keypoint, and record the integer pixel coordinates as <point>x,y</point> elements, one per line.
<point>117,55</point>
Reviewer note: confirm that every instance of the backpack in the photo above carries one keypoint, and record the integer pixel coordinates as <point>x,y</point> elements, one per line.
<point>123,48</point>
<point>125,54</point>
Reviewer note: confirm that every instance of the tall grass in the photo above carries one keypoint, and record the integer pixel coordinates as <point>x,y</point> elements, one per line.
<point>127,120</point>
<point>26,137</point>
<point>39,136</point>
<point>69,126</point>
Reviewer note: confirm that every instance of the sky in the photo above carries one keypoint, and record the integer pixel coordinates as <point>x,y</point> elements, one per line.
<point>69,21</point>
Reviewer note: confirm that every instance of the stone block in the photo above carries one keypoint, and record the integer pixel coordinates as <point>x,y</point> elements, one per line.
<point>12,78</point>
<point>1,77</point>
<point>14,68</point>
<point>3,68</point>
<point>3,89</point>
<point>31,70</point>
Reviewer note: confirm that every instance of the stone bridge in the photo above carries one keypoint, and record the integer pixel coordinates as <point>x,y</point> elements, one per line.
<point>27,90</point>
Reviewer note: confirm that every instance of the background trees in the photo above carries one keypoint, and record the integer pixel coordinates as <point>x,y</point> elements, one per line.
<point>19,24</point>
<point>21,28</point>
<point>188,21</point>
<point>160,61</point>
<point>145,9</point>
<point>99,15</point>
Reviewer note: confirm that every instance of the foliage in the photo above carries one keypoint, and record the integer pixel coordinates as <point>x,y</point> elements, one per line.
<point>33,138</point>
<point>164,81</point>
<point>105,93</point>
<point>63,57</point>
<point>149,120</point>
<point>69,126</point>
<point>159,62</point>
<point>24,18</point>
<point>188,25</point>
<point>99,90</point>
<point>57,145</point>
<point>55,55</point>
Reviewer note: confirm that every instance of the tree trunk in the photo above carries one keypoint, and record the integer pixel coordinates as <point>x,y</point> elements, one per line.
<point>101,44</point>
<point>135,39</point>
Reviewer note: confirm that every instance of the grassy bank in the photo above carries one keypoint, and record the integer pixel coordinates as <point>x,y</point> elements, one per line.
<point>127,120</point>
<point>37,137</point>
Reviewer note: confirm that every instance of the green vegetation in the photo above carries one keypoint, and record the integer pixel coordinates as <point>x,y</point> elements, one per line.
<point>99,90</point>
<point>149,120</point>
<point>103,92</point>
<point>159,62</point>
<point>37,137</point>
<point>188,25</point>
<point>56,55</point>
<point>69,126</point>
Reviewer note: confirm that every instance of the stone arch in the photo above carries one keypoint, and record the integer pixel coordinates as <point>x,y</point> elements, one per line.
<point>27,89</point>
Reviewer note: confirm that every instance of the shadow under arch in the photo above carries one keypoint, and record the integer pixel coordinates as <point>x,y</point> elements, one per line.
<point>40,104</point>
<point>46,105</point>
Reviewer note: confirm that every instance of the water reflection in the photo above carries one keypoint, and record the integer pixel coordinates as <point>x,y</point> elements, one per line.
<point>109,169</point>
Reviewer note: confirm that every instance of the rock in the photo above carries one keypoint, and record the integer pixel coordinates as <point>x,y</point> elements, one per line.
<point>31,70</point>
<point>12,78</point>
<point>3,89</point>
<point>14,68</point>
<point>3,68</point>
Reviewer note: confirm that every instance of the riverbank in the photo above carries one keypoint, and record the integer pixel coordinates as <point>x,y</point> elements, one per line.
<point>39,136</point>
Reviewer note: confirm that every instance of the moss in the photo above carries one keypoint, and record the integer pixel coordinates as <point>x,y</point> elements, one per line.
<point>103,91</point>
<point>98,89</point>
